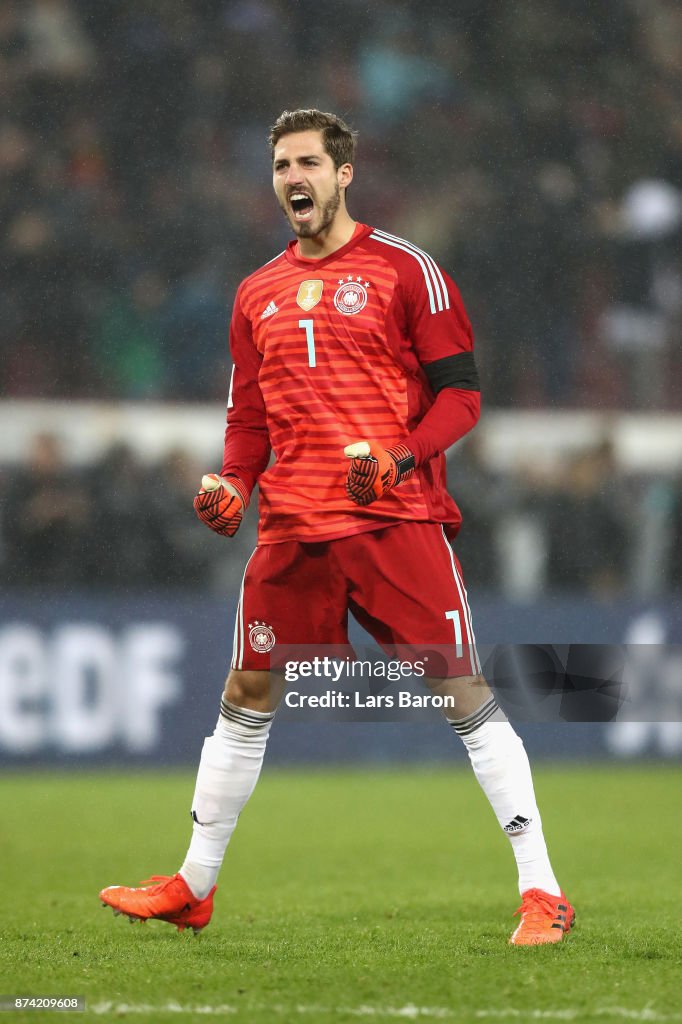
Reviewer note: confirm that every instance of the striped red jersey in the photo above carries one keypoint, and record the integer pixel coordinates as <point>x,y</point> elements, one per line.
<point>331,351</point>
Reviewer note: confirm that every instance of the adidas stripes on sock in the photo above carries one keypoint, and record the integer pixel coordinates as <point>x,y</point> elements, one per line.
<point>231,760</point>
<point>500,763</point>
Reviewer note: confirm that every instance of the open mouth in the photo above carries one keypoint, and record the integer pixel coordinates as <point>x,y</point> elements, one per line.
<point>302,206</point>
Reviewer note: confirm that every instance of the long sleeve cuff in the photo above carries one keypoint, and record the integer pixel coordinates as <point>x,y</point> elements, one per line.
<point>239,485</point>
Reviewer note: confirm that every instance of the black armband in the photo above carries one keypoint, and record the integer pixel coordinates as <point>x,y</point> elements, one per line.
<point>453,372</point>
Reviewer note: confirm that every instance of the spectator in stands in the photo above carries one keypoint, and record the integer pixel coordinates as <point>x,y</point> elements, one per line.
<point>482,499</point>
<point>125,527</point>
<point>128,340</point>
<point>182,556</point>
<point>586,520</point>
<point>47,521</point>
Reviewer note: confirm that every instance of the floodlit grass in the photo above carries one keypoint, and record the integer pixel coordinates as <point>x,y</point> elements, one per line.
<point>346,895</point>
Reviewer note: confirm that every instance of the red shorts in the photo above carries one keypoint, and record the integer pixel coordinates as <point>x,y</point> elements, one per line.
<point>403,584</point>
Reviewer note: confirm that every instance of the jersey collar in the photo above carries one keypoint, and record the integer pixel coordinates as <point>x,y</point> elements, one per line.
<point>361,231</point>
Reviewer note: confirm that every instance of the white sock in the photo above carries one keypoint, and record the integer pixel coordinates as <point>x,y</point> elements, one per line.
<point>230,764</point>
<point>501,766</point>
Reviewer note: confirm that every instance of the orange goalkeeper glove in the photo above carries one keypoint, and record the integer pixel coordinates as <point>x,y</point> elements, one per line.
<point>374,470</point>
<point>219,505</point>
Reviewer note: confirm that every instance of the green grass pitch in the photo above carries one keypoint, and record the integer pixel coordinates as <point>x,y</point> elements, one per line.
<point>346,896</point>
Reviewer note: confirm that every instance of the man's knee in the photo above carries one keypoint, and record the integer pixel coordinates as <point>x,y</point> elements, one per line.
<point>256,690</point>
<point>467,694</point>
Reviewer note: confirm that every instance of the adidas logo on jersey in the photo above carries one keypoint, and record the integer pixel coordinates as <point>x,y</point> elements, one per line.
<point>517,824</point>
<point>269,310</point>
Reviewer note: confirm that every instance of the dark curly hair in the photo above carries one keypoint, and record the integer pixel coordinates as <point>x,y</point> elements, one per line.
<point>338,139</point>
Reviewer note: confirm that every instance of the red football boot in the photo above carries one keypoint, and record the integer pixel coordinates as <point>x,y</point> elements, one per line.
<point>170,899</point>
<point>544,918</point>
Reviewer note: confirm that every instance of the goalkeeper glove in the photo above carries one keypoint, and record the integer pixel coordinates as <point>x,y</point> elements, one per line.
<point>219,505</point>
<point>374,470</point>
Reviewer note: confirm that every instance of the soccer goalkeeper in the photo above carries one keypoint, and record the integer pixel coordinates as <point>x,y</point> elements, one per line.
<point>353,362</point>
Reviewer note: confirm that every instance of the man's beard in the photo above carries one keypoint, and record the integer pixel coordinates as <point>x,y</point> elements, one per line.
<point>327,214</point>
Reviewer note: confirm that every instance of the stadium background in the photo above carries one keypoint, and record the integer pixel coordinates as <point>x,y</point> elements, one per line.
<point>534,148</point>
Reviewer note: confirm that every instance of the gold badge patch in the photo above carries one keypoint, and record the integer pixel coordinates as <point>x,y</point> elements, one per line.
<point>309,294</point>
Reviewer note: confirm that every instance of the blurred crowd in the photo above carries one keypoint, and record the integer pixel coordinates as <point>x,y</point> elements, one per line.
<point>582,527</point>
<point>533,146</point>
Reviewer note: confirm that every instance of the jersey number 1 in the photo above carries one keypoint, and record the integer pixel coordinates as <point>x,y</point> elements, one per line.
<point>307,326</point>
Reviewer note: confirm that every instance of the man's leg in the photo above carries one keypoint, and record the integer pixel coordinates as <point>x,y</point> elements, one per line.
<point>290,592</point>
<point>408,591</point>
<point>230,765</point>
<point>500,763</point>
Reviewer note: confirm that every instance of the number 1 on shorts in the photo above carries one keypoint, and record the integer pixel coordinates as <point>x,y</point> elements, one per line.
<point>454,616</point>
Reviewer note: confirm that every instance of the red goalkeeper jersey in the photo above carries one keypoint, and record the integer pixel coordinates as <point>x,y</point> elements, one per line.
<point>352,347</point>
